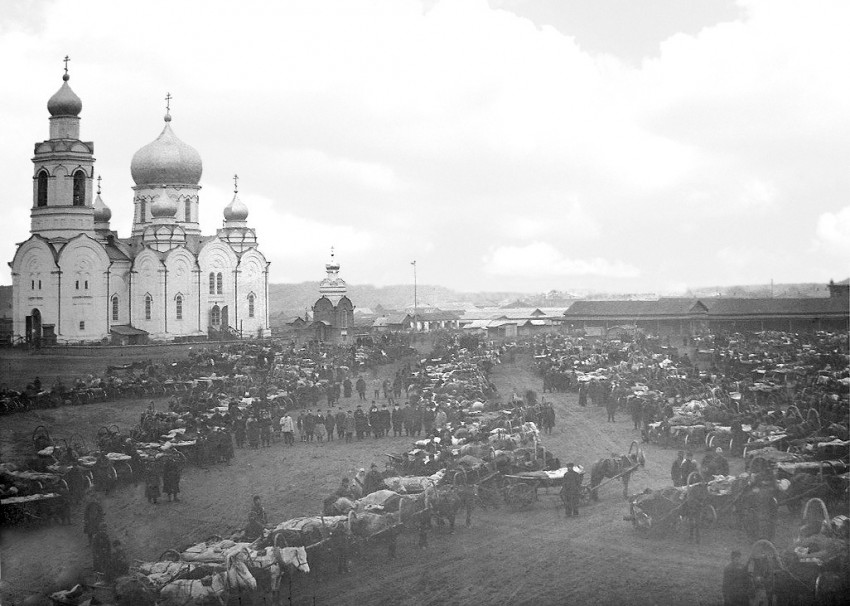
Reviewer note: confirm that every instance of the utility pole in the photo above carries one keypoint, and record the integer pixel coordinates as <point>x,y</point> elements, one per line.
<point>415,302</point>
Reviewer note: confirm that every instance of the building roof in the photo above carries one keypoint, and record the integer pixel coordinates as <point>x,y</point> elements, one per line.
<point>722,307</point>
<point>662,308</point>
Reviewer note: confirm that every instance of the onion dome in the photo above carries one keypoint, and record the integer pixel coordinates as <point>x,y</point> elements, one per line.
<point>102,214</point>
<point>166,160</point>
<point>65,102</point>
<point>236,210</point>
<point>164,207</point>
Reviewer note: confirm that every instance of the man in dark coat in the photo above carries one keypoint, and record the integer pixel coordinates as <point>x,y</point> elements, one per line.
<point>571,491</point>
<point>397,417</point>
<point>361,388</point>
<point>736,582</point>
<point>676,469</point>
<point>171,478</point>
<point>416,426</point>
<point>361,423</point>
<point>374,420</point>
<point>385,418</point>
<point>373,482</point>
<point>330,422</point>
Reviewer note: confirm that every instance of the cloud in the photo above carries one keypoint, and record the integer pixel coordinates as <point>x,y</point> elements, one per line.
<point>543,259</point>
<point>833,232</point>
<point>460,133</point>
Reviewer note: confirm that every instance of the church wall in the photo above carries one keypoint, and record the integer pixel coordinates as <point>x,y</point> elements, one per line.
<point>217,258</point>
<point>83,263</point>
<point>34,286</point>
<point>183,282</point>
<point>148,282</point>
<point>252,280</point>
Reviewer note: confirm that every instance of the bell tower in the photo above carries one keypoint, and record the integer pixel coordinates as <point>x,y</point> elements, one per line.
<point>63,171</point>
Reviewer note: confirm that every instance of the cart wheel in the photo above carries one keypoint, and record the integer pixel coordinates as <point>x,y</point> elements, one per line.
<point>520,496</point>
<point>88,480</point>
<point>708,515</point>
<point>124,471</point>
<point>642,522</point>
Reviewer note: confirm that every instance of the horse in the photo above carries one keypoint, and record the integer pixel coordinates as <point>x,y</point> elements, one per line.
<point>445,503</point>
<point>614,466</point>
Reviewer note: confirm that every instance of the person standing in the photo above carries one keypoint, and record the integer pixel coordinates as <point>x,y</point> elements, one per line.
<point>361,388</point>
<point>319,427</point>
<point>340,425</point>
<point>397,417</point>
<point>287,427</point>
<point>676,468</point>
<point>152,491</point>
<point>374,420</point>
<point>265,424</point>
<point>737,584</point>
<point>171,478</point>
<point>361,423</point>
<point>252,432</point>
<point>374,481</point>
<point>330,421</point>
<point>350,426</point>
<point>610,406</point>
<point>346,387</point>
<point>309,425</point>
<point>571,491</point>
<point>257,520</point>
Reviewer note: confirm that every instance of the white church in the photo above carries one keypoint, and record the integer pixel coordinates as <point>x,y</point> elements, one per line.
<point>75,280</point>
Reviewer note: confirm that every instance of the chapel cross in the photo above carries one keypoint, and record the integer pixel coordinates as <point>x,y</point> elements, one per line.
<point>67,58</point>
<point>235,184</point>
<point>168,99</point>
<point>98,185</point>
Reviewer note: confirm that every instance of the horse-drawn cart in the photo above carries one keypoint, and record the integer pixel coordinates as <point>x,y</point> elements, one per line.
<point>521,490</point>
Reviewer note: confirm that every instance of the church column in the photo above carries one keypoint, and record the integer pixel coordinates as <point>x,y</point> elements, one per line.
<point>59,308</point>
<point>165,297</point>
<point>130,297</point>
<point>266,280</point>
<point>108,298</point>
<point>198,272</point>
<point>236,299</point>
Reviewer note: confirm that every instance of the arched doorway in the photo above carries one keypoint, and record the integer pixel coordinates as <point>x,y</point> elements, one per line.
<point>225,320</point>
<point>215,316</point>
<point>33,327</point>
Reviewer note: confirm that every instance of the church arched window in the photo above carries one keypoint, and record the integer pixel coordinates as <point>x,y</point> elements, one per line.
<point>187,211</point>
<point>79,188</point>
<point>142,210</point>
<point>212,283</point>
<point>148,305</point>
<point>178,306</point>
<point>41,189</point>
<point>219,283</point>
<point>114,308</point>
<point>215,315</point>
<point>251,305</point>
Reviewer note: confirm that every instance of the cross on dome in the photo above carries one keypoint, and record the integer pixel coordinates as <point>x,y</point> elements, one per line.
<point>235,184</point>
<point>66,76</point>
<point>168,99</point>
<point>98,185</point>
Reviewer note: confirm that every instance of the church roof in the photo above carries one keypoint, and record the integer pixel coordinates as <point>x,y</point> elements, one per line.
<point>65,102</point>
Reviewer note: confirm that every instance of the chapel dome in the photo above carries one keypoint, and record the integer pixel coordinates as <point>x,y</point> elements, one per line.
<point>166,161</point>
<point>236,210</point>
<point>102,213</point>
<point>65,102</point>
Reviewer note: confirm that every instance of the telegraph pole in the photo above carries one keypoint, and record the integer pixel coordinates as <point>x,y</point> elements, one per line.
<point>415,302</point>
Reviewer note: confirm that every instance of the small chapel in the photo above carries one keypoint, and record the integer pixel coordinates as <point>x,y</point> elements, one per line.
<point>333,312</point>
<point>74,280</point>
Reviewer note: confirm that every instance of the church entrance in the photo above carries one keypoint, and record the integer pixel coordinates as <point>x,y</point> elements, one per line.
<point>33,328</point>
<point>225,320</point>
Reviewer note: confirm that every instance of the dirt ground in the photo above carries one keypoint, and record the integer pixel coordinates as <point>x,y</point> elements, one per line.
<point>527,557</point>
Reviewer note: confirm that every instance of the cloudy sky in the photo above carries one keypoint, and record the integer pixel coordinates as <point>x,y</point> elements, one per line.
<point>505,145</point>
